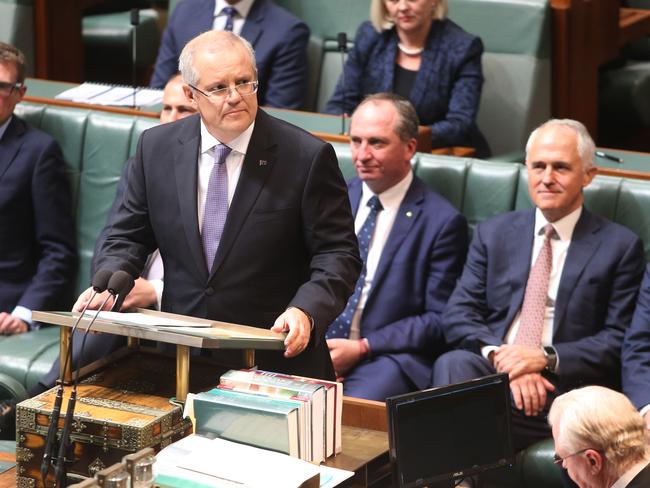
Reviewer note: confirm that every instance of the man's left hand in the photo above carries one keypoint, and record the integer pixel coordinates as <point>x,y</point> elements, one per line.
<point>345,353</point>
<point>519,360</point>
<point>10,325</point>
<point>298,324</point>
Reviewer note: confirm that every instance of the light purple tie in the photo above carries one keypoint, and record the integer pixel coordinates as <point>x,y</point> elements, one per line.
<point>216,205</point>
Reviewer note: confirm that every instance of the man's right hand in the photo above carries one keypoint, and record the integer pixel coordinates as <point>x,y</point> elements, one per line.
<point>84,298</point>
<point>529,392</point>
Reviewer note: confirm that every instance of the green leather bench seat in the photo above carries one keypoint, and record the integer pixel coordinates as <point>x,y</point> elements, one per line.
<point>624,95</point>
<point>17,28</point>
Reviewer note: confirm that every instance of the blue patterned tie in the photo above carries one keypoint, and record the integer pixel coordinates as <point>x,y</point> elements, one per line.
<point>340,328</point>
<point>229,12</point>
<point>216,205</point>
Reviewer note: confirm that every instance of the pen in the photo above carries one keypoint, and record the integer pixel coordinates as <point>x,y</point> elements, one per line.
<point>602,154</point>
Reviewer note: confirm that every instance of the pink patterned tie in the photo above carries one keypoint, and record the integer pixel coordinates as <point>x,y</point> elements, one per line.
<point>532,311</point>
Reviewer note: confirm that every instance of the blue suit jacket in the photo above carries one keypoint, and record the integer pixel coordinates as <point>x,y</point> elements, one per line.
<point>279,39</point>
<point>595,299</point>
<point>37,243</point>
<point>417,271</point>
<point>447,87</point>
<point>636,349</point>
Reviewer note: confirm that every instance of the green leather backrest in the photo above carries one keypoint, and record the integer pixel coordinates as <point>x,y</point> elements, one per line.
<point>445,175</point>
<point>326,18</point>
<point>516,93</point>
<point>632,209</point>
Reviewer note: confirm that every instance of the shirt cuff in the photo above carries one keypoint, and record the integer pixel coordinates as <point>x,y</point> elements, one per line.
<point>158,286</point>
<point>645,409</point>
<point>23,314</point>
<point>486,350</point>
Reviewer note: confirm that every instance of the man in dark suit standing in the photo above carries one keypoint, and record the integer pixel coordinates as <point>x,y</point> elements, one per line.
<point>280,42</point>
<point>385,341</point>
<point>250,214</point>
<point>547,293</point>
<point>600,439</point>
<point>37,239</point>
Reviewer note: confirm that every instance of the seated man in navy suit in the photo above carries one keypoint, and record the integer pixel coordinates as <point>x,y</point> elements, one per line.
<point>413,243</point>
<point>37,238</point>
<point>547,293</point>
<point>636,352</point>
<point>279,39</point>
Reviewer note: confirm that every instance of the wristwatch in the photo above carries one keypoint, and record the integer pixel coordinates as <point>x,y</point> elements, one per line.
<point>551,358</point>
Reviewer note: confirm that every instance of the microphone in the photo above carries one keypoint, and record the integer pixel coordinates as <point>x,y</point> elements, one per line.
<point>135,21</point>
<point>120,283</point>
<point>342,39</point>
<point>98,283</point>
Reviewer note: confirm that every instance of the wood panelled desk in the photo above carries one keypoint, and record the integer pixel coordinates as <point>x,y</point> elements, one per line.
<point>324,126</point>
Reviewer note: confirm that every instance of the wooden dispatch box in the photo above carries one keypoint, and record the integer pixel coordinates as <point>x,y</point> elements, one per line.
<point>108,424</point>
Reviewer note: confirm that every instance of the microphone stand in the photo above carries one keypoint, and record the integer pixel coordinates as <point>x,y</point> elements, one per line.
<point>342,39</point>
<point>64,444</point>
<point>135,21</point>
<point>50,439</point>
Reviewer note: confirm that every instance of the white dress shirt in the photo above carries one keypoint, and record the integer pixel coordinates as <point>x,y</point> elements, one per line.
<point>390,200</point>
<point>242,7</point>
<point>564,229</point>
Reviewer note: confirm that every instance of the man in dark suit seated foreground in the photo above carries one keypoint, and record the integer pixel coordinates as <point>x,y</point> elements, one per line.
<point>279,38</point>
<point>547,293</point>
<point>413,243</point>
<point>600,439</point>
<point>250,214</point>
<point>37,238</point>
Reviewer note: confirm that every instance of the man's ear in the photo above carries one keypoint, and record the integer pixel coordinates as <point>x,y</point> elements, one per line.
<point>189,94</point>
<point>595,460</point>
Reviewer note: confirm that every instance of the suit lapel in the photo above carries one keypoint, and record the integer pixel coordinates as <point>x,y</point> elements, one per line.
<point>186,172</point>
<point>389,63</point>
<point>519,253</point>
<point>407,214</point>
<point>259,160</point>
<point>252,28</point>
<point>10,144</point>
<point>584,243</point>
<point>354,194</point>
<point>204,16</point>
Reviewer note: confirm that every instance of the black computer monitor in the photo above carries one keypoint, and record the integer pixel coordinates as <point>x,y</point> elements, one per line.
<point>450,432</point>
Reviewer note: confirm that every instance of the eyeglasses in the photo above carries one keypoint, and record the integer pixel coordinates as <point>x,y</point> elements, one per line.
<point>243,89</point>
<point>560,460</point>
<point>7,88</point>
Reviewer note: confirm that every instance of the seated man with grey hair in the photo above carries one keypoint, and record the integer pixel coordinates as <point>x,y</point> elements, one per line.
<point>600,439</point>
<point>546,293</point>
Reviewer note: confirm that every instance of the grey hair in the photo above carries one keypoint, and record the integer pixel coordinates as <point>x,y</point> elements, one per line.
<point>211,41</point>
<point>407,125</point>
<point>585,146</point>
<point>605,420</point>
<point>13,55</point>
<point>381,21</point>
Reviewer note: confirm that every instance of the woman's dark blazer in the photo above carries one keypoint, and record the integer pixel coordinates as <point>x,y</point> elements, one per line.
<point>447,87</point>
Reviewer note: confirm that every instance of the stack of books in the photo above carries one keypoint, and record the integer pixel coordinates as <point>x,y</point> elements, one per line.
<point>293,415</point>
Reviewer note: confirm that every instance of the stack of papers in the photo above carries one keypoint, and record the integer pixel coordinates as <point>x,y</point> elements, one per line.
<point>121,96</point>
<point>198,461</point>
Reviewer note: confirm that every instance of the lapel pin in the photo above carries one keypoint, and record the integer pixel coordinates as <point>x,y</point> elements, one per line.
<point>262,162</point>
<point>409,214</point>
